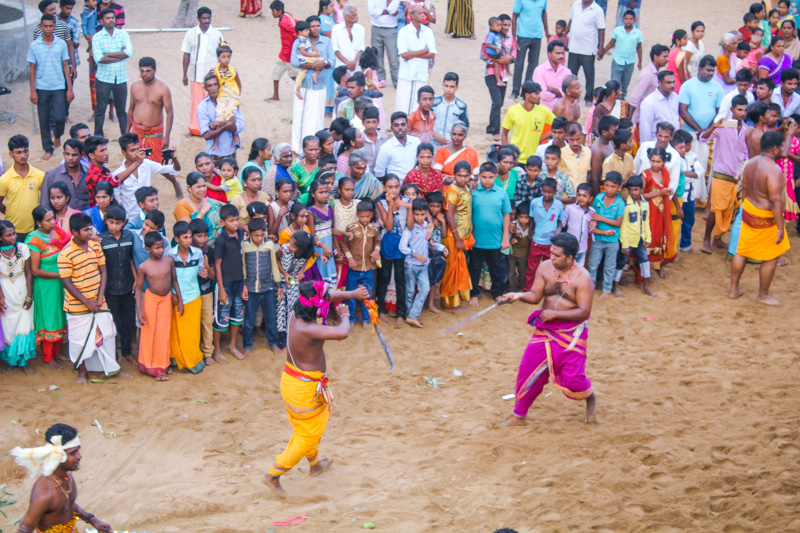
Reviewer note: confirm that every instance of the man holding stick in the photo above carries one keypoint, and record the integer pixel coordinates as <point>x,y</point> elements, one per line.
<point>558,345</point>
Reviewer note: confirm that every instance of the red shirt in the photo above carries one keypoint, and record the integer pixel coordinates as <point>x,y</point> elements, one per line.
<point>421,128</point>
<point>746,34</point>
<point>288,35</point>
<point>217,195</point>
<point>96,175</point>
<point>433,181</point>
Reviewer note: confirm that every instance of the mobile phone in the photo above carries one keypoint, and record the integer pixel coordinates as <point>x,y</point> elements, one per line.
<point>729,123</point>
<point>148,152</point>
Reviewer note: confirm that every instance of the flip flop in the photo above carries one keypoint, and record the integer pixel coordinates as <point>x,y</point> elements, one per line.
<point>293,521</point>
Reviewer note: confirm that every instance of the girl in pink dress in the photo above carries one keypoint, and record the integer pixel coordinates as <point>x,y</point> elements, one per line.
<point>787,165</point>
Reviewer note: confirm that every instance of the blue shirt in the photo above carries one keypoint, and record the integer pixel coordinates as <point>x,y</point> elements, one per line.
<point>494,39</point>
<point>89,21</point>
<point>616,209</point>
<point>416,242</point>
<point>488,208</point>
<point>545,221</point>
<point>49,63</point>
<point>102,43</point>
<point>625,45</point>
<point>529,18</point>
<point>206,114</point>
<point>187,272</point>
<point>703,100</point>
<point>325,52</point>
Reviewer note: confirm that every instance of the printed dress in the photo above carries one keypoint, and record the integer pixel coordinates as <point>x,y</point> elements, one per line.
<point>18,330</point>
<point>323,229</point>
<point>293,265</point>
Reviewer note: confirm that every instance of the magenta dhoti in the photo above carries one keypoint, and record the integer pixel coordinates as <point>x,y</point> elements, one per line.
<point>561,346</point>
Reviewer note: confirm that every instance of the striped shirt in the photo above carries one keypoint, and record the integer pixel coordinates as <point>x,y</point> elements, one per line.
<point>83,267</point>
<point>63,31</point>
<point>103,43</point>
<point>48,59</point>
<point>75,27</point>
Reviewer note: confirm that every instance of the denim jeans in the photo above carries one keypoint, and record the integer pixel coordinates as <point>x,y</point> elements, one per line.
<point>623,74</point>
<point>231,312</point>
<point>577,61</point>
<point>496,263</point>
<point>601,249</point>
<point>640,253</point>
<point>52,109</point>
<point>104,91</point>
<point>354,279</point>
<point>497,95</point>
<point>687,225</point>
<point>530,47</point>
<point>416,278</point>
<point>267,301</point>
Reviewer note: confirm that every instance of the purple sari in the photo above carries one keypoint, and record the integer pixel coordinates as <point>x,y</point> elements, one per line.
<point>774,69</point>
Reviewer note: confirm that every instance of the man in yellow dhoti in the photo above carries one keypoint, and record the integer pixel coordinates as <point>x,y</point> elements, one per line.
<point>304,384</point>
<point>763,234</point>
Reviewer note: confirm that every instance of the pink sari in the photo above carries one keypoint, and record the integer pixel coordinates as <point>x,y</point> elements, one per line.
<point>787,165</point>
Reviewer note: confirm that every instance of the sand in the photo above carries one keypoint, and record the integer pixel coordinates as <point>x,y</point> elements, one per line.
<point>697,394</point>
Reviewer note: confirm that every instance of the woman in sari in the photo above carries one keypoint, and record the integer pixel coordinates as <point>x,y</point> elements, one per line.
<point>45,242</point>
<point>59,203</point>
<point>456,284</point>
<point>252,193</point>
<point>677,58</point>
<point>460,18</point>
<point>693,50</point>
<point>260,155</point>
<point>787,166</point>
<point>657,193</point>
<point>365,184</point>
<point>282,154</point>
<point>448,155</point>
<point>205,166</point>
<point>250,8</point>
<point>424,176</point>
<point>304,171</point>
<point>727,62</point>
<point>789,31</point>
<point>198,205</point>
<point>299,223</point>
<point>774,61</point>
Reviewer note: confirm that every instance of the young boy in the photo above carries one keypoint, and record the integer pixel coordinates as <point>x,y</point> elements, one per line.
<point>363,251</point>
<point>693,169</point>
<point>628,43</point>
<point>373,137</point>
<point>750,24</point>
<point>621,160</point>
<point>263,285</point>
<point>609,211</point>
<point>308,54</point>
<point>153,222</point>
<point>578,220</point>
<point>531,186</point>
<point>185,333</point>
<point>450,109</point>
<point>414,244</point>
<point>635,235</point>
<point>117,244</point>
<point>82,268</point>
<point>437,262</point>
<point>548,216</point>
<point>147,198</point>
<point>205,279</point>
<point>228,265</point>
<point>520,247</point>
<point>561,34</point>
<point>564,189</point>
<point>421,121</point>
<point>154,308</point>
<point>493,48</point>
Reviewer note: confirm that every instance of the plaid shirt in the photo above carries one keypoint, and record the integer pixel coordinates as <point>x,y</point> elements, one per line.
<point>447,115</point>
<point>103,43</point>
<point>75,27</point>
<point>564,184</point>
<point>95,176</point>
<point>525,192</point>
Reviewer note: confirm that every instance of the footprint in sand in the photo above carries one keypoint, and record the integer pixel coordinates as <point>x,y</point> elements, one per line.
<point>638,510</point>
<point>789,449</point>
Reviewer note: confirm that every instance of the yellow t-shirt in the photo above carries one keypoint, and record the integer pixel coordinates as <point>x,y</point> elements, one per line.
<point>234,188</point>
<point>21,196</point>
<point>527,127</point>
<point>83,267</point>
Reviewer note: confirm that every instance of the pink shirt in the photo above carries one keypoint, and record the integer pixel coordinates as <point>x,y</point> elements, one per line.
<point>545,76</point>
<point>648,82</point>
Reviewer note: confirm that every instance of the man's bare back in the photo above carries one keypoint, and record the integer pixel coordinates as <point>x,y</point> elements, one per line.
<point>147,102</point>
<point>569,108</point>
<point>753,139</point>
<point>761,176</point>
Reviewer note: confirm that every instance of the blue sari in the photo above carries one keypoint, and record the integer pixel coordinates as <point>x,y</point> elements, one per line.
<point>97,218</point>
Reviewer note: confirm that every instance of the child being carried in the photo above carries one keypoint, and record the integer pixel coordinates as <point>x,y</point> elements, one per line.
<point>308,54</point>
<point>230,89</point>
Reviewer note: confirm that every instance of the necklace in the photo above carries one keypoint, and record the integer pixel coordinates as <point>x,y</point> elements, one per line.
<point>65,493</point>
<point>566,281</point>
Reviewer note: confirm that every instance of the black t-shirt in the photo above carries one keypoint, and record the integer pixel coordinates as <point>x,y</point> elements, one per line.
<point>229,249</point>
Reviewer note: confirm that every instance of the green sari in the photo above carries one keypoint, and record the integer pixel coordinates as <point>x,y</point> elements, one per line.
<point>48,294</point>
<point>302,178</point>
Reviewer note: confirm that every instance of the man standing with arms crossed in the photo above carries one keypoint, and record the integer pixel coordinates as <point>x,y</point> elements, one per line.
<point>199,57</point>
<point>150,99</point>
<point>111,48</point>
<point>383,14</point>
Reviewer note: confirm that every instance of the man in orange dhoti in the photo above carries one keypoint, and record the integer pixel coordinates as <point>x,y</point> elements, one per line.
<point>763,234</point>
<point>304,383</point>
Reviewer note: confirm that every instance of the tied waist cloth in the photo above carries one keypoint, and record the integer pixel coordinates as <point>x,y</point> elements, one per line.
<point>561,346</point>
<point>69,527</point>
<point>323,392</point>
<point>759,233</point>
<point>150,137</point>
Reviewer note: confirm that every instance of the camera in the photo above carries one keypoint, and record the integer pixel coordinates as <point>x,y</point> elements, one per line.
<point>148,152</point>
<point>166,156</point>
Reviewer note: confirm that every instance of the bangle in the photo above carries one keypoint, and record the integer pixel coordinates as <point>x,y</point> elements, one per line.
<point>88,518</point>
<point>28,299</point>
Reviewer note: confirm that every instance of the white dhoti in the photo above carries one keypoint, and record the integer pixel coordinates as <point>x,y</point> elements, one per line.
<point>308,116</point>
<point>702,150</point>
<point>83,337</point>
<point>405,98</point>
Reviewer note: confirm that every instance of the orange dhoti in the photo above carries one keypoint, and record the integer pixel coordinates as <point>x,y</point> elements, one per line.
<point>759,233</point>
<point>723,201</point>
<point>456,284</point>
<point>154,338</point>
<point>69,527</point>
<point>198,94</point>
<point>150,137</point>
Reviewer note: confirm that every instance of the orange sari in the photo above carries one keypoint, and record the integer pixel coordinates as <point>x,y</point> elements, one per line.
<point>660,217</point>
<point>457,284</point>
<point>445,161</point>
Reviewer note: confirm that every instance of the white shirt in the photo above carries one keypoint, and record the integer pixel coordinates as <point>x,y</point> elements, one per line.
<point>787,110</point>
<point>415,69</point>
<point>540,150</point>
<point>202,50</point>
<point>658,108</point>
<point>340,39</point>
<point>725,105</point>
<point>583,37</point>
<point>125,194</point>
<point>378,18</point>
<point>394,158</point>
<point>641,162</point>
<point>690,163</point>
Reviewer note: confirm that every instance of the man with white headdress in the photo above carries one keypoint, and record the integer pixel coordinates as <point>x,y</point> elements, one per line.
<point>53,507</point>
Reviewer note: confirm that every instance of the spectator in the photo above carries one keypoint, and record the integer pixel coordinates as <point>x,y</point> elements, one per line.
<point>283,66</point>
<point>416,46</point>
<point>383,35</point>
<point>211,129</point>
<point>199,57</point>
<point>587,41</point>
<point>661,106</point>
<point>111,48</point>
<point>528,25</point>
<point>348,39</point>
<point>550,75</point>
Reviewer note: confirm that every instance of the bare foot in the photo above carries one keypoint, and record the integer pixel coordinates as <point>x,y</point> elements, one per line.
<point>433,309</point>
<point>27,370</point>
<point>297,94</point>
<point>365,325</point>
<point>131,359</point>
<point>274,482</point>
<point>501,84</point>
<point>413,322</point>
<point>63,357</point>
<point>236,353</point>
<point>321,466</point>
<point>473,302</point>
<point>383,317</point>
<point>122,375</point>
<point>274,98</point>
<point>706,249</point>
<point>649,291</point>
<point>513,421</point>
<point>496,137</point>
<point>720,244</point>
<point>399,323</point>
<point>209,360</point>
<point>169,370</point>
<point>162,378</point>
<point>783,261</point>
<point>735,294</point>
<point>605,295</point>
<point>57,142</point>
<point>47,156</point>
<point>82,379</point>
<point>768,300</point>
<point>6,368</point>
<point>219,358</point>
<point>247,354</point>
<point>54,365</point>
<point>616,291</point>
<point>455,310</point>
<point>662,273</point>
<point>276,349</point>
<point>591,409</point>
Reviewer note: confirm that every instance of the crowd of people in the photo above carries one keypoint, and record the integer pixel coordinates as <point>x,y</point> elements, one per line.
<point>420,219</point>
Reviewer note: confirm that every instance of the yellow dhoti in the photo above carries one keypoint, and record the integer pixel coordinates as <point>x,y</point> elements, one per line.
<point>184,337</point>
<point>308,414</point>
<point>69,527</point>
<point>758,235</point>
<point>672,247</point>
<point>723,201</point>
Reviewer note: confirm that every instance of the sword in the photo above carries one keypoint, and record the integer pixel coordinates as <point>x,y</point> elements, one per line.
<point>372,307</point>
<point>473,317</point>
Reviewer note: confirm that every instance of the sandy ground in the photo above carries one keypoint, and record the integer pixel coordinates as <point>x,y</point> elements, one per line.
<point>698,402</point>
